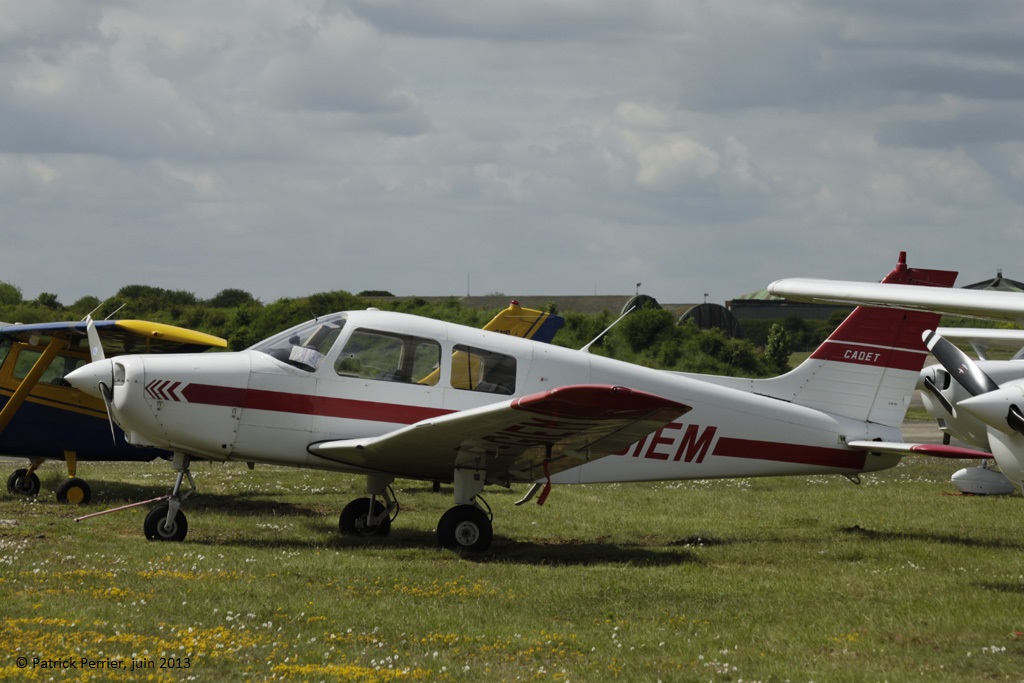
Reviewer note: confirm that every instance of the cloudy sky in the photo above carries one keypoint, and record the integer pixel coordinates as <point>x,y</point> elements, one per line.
<point>287,147</point>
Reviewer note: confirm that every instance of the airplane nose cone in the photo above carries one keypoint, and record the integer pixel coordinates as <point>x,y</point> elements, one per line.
<point>88,377</point>
<point>992,408</point>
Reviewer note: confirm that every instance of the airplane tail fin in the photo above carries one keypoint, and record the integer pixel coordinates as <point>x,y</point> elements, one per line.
<point>868,367</point>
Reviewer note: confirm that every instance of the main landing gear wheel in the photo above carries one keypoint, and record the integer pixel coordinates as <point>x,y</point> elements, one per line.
<point>465,528</point>
<point>157,528</point>
<point>19,483</point>
<point>355,519</point>
<point>74,491</point>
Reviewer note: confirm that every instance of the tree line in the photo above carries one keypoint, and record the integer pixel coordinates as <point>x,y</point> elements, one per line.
<point>650,337</point>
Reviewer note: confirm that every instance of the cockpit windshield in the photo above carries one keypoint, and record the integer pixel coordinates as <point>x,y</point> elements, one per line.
<point>304,346</point>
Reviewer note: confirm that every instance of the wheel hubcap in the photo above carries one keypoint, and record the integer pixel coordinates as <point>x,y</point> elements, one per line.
<point>467,533</point>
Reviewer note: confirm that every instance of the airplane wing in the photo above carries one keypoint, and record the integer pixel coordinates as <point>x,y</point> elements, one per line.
<point>520,439</point>
<point>972,303</point>
<point>982,339</point>
<point>933,449</point>
<point>121,336</point>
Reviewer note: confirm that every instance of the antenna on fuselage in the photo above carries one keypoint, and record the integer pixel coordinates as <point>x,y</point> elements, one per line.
<point>586,349</point>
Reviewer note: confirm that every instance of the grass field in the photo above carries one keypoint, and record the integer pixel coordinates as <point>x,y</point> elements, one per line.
<point>736,580</point>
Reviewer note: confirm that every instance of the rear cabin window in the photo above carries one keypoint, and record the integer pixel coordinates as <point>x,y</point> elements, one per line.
<point>479,370</point>
<point>390,357</point>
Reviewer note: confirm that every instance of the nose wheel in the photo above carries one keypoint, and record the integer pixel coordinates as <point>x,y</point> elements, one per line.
<point>157,527</point>
<point>167,522</point>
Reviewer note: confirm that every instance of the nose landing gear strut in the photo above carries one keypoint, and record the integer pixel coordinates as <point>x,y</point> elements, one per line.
<point>167,522</point>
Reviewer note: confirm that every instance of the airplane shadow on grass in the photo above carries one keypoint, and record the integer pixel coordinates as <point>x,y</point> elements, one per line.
<point>319,530</point>
<point>1011,587</point>
<point>931,537</point>
<point>503,550</point>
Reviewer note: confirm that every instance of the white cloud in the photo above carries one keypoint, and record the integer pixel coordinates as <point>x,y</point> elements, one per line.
<point>314,144</point>
<point>671,162</point>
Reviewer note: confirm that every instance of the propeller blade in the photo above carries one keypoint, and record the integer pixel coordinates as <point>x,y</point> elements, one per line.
<point>1015,418</point>
<point>959,365</point>
<point>108,396</point>
<point>95,345</point>
<point>932,389</point>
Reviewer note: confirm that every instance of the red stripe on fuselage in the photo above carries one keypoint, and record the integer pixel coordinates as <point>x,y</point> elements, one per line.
<point>786,452</point>
<point>302,404</point>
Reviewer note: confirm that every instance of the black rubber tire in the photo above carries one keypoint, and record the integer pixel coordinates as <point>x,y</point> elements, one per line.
<point>352,520</point>
<point>22,485</point>
<point>156,530</point>
<point>465,528</point>
<point>74,491</point>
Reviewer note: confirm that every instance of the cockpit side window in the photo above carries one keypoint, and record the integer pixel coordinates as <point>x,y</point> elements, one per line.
<point>475,369</point>
<point>304,346</point>
<point>389,357</point>
<point>53,374</point>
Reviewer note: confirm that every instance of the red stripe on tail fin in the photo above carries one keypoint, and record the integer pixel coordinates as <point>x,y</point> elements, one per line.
<point>887,337</point>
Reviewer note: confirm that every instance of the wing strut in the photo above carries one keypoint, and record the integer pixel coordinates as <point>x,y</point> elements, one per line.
<point>30,381</point>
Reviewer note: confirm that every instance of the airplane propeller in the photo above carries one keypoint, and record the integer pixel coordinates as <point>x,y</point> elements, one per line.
<point>994,405</point>
<point>95,345</point>
<point>96,354</point>
<point>958,364</point>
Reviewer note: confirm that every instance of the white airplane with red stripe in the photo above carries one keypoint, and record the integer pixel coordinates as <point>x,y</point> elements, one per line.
<point>389,395</point>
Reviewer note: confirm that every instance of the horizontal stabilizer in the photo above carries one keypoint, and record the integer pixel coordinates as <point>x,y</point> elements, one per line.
<point>933,449</point>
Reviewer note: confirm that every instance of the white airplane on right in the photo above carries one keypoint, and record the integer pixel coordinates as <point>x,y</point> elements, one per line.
<point>980,403</point>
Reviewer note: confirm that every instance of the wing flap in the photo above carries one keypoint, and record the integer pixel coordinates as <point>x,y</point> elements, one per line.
<point>932,449</point>
<point>512,440</point>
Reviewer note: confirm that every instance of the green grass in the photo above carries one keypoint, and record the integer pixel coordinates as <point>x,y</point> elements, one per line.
<point>810,579</point>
